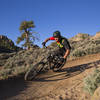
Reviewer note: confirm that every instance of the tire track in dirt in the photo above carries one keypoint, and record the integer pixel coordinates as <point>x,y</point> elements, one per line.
<point>52,85</point>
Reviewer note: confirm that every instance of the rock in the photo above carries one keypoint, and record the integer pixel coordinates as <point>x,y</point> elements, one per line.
<point>97,35</point>
<point>96,95</point>
<point>80,36</point>
<point>7,45</point>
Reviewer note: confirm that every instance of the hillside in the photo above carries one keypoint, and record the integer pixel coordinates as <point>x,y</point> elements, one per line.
<point>84,44</point>
<point>97,36</point>
<point>7,45</point>
<point>80,36</point>
<point>67,84</point>
<point>16,63</point>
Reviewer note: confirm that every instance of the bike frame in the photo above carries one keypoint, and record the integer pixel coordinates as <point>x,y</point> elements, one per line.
<point>52,61</point>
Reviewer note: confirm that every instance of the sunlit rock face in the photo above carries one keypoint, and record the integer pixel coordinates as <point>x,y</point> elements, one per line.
<point>97,36</point>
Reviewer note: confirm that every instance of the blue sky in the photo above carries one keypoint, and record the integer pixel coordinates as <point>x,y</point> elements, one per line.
<point>68,16</point>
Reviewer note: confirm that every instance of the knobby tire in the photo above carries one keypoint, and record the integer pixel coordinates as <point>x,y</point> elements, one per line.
<point>34,71</point>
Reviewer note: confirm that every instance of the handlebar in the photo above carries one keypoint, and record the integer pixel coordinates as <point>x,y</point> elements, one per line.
<point>45,46</point>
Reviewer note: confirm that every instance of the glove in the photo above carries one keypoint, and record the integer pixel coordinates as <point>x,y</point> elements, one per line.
<point>43,43</point>
<point>62,59</point>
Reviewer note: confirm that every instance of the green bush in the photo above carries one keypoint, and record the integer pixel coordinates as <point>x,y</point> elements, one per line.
<point>4,73</point>
<point>84,47</point>
<point>92,81</point>
<point>79,53</point>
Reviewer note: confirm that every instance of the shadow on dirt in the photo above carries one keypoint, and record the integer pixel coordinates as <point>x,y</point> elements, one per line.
<point>68,72</point>
<point>11,87</point>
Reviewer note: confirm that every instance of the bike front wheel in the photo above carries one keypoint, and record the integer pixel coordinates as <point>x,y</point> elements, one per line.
<point>34,71</point>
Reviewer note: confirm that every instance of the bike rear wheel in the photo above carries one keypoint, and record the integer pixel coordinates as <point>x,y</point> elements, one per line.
<point>34,71</point>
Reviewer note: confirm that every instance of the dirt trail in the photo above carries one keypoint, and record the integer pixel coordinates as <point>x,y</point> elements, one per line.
<point>53,85</point>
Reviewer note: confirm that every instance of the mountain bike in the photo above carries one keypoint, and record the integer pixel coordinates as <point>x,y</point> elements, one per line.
<point>53,61</point>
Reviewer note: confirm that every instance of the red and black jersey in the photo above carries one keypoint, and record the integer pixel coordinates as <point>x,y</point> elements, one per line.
<point>62,43</point>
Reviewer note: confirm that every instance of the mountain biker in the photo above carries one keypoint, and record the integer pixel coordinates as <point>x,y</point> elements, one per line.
<point>62,42</point>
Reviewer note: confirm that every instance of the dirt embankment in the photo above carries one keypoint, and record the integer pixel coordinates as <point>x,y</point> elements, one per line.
<point>64,85</point>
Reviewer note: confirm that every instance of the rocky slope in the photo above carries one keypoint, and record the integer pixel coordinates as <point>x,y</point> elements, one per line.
<point>7,45</point>
<point>96,95</point>
<point>80,36</point>
<point>97,36</point>
<point>17,63</point>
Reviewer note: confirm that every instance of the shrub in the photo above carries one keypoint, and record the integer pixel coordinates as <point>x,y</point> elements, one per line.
<point>19,70</point>
<point>92,81</point>
<point>79,53</point>
<point>4,73</point>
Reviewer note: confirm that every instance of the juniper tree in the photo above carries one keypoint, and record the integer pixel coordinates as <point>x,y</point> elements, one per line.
<point>26,34</point>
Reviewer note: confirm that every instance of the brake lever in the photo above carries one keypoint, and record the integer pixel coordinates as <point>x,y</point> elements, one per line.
<point>44,46</point>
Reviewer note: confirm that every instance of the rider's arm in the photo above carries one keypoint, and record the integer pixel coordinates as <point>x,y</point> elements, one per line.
<point>67,47</point>
<point>47,40</point>
<point>66,53</point>
<point>51,38</point>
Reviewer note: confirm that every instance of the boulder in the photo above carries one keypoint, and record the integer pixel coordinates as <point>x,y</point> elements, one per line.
<point>96,95</point>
